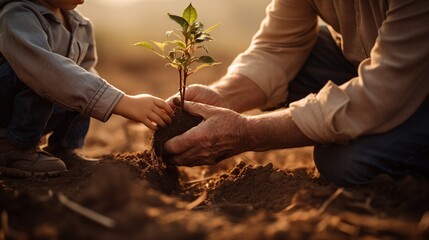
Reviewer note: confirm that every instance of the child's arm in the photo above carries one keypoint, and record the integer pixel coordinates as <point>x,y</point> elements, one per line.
<point>144,108</point>
<point>33,49</point>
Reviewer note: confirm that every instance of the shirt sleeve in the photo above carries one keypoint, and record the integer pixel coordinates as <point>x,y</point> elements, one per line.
<point>390,86</point>
<point>24,42</point>
<point>279,49</point>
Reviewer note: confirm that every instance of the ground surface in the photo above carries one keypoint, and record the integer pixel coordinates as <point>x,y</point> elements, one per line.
<point>242,198</point>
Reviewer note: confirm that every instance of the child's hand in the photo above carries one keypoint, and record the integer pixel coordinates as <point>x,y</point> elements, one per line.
<point>146,109</point>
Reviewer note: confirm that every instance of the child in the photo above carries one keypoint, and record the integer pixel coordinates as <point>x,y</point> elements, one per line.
<point>48,84</point>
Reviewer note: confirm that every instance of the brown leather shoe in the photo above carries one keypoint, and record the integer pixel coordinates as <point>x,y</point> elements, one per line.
<point>70,157</point>
<point>27,163</point>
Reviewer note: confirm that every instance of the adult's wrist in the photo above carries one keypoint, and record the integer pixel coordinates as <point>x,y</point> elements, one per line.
<point>239,93</point>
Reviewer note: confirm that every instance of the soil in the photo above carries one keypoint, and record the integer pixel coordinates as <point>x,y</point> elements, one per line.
<point>234,200</point>
<point>181,122</point>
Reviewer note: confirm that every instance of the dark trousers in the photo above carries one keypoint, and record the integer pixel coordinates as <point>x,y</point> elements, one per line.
<point>26,116</point>
<point>398,152</point>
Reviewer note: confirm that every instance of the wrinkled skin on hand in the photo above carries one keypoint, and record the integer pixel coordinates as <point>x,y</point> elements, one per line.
<point>220,135</point>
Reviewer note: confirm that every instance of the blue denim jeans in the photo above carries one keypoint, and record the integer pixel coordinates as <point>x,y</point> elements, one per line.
<point>26,116</point>
<point>401,151</point>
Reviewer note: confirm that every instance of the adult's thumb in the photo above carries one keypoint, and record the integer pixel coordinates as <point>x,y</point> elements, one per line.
<point>197,109</point>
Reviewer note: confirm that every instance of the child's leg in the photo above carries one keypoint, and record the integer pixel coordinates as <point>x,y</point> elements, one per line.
<point>25,113</point>
<point>68,128</point>
<point>22,122</point>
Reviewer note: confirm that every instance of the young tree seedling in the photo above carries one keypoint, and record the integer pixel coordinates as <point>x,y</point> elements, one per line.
<point>190,38</point>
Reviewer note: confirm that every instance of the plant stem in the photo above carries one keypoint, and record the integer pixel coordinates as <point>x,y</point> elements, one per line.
<point>185,72</point>
<point>182,95</point>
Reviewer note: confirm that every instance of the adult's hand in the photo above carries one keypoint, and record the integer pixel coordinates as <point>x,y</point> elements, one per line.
<point>219,136</point>
<point>235,92</point>
<point>202,94</point>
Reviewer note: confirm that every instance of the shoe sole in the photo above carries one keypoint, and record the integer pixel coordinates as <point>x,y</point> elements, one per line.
<point>13,172</point>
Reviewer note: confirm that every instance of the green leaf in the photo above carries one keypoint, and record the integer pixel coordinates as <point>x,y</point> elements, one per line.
<point>190,14</point>
<point>161,45</point>
<point>150,47</point>
<point>196,28</point>
<point>169,32</point>
<point>211,28</point>
<point>144,44</point>
<point>203,66</point>
<point>203,37</point>
<point>174,66</point>
<point>172,55</point>
<point>205,59</point>
<point>179,43</point>
<point>181,21</point>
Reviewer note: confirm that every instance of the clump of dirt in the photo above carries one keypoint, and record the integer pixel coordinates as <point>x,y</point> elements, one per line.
<point>181,122</point>
<point>161,169</point>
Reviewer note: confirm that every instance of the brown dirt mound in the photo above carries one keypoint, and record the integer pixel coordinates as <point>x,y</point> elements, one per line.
<point>247,201</point>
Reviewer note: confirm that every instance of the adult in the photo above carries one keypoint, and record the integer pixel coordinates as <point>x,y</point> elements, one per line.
<point>356,90</point>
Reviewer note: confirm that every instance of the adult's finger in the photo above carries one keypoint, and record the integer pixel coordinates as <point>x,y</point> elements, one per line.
<point>181,143</point>
<point>198,109</point>
<point>190,159</point>
<point>171,100</point>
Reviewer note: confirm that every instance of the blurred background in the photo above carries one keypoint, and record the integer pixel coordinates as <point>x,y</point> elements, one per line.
<point>120,23</point>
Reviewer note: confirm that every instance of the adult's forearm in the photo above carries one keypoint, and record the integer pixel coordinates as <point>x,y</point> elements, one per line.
<point>240,93</point>
<point>274,130</point>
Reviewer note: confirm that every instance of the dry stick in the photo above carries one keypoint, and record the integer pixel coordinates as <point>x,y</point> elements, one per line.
<point>197,201</point>
<point>389,225</point>
<point>88,213</point>
<point>330,199</point>
<point>199,180</point>
<point>246,158</point>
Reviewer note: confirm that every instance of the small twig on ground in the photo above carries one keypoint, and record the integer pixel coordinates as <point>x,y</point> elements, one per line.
<point>364,206</point>
<point>247,159</point>
<point>199,180</point>
<point>197,201</point>
<point>381,225</point>
<point>330,199</point>
<point>336,222</point>
<point>290,207</point>
<point>88,213</point>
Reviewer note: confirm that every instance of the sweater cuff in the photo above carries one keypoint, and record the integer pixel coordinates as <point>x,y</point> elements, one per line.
<point>101,107</point>
<point>316,115</point>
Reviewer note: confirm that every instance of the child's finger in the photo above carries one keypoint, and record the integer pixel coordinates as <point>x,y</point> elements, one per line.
<point>157,119</point>
<point>149,124</point>
<point>162,104</point>
<point>161,113</point>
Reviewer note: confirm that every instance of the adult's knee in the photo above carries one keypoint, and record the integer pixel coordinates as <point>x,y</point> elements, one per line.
<point>344,165</point>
